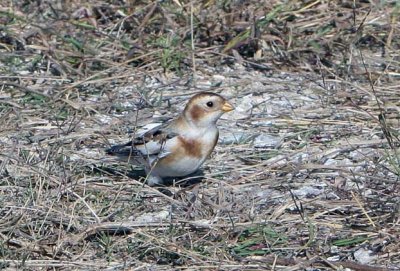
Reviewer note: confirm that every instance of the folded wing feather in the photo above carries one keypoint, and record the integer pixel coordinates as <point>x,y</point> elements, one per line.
<point>151,143</point>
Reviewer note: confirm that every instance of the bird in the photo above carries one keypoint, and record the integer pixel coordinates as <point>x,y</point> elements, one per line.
<point>177,148</point>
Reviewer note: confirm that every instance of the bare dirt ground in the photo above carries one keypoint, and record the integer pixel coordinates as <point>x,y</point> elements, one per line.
<point>306,172</point>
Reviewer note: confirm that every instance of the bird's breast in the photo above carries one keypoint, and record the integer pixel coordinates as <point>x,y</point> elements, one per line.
<point>187,154</point>
<point>200,145</point>
<point>191,147</point>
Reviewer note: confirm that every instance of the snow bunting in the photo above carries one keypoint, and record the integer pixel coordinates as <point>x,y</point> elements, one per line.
<point>181,146</point>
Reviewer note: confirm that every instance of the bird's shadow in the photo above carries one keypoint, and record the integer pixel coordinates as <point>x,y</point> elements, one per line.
<point>139,174</point>
<point>188,180</point>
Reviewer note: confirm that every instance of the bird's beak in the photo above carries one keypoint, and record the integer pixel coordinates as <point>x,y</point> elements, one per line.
<point>226,107</point>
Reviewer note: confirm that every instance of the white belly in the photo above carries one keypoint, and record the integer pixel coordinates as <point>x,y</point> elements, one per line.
<point>180,168</point>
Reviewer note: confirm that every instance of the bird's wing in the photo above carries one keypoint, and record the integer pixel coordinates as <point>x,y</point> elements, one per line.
<point>151,142</point>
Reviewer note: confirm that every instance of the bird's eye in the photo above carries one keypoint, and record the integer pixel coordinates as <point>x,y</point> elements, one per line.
<point>210,104</point>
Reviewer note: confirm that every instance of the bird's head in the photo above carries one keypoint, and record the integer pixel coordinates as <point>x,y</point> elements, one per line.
<point>205,108</point>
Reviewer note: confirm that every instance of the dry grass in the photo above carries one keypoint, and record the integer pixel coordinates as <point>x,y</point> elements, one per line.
<point>322,77</point>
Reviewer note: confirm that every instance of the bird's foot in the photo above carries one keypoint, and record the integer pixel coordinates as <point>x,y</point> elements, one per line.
<point>154,180</point>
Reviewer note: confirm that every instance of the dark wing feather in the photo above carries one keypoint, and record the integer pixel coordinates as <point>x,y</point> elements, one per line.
<point>123,150</point>
<point>149,143</point>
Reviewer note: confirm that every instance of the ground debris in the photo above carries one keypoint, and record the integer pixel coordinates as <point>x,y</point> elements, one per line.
<point>306,172</point>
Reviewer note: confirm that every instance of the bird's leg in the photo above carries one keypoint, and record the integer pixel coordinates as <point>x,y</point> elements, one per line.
<point>152,180</point>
